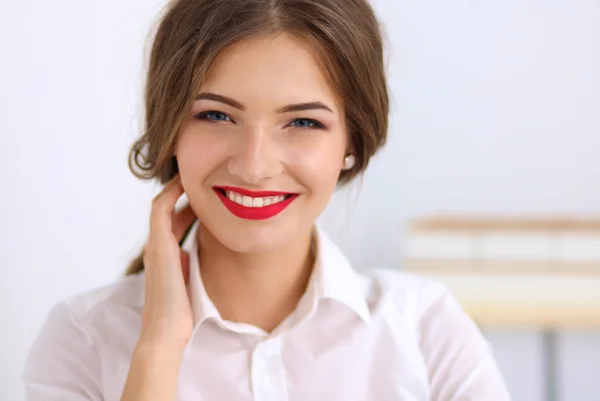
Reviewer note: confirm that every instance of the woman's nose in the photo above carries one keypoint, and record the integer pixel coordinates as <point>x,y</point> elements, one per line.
<point>255,159</point>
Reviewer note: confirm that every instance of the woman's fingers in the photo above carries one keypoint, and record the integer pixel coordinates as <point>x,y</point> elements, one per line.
<point>163,206</point>
<point>167,316</point>
<point>182,221</point>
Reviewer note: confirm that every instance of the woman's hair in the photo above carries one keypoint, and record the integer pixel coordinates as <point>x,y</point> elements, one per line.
<point>344,34</point>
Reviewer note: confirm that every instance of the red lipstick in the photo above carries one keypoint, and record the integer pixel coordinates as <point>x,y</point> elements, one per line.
<point>254,213</point>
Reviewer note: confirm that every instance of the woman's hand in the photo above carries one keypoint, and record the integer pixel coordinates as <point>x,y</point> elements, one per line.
<point>167,317</point>
<point>167,320</point>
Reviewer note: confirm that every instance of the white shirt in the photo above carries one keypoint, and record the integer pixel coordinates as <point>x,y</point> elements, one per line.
<point>380,336</point>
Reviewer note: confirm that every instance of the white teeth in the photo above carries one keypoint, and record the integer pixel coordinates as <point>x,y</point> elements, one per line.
<point>253,202</point>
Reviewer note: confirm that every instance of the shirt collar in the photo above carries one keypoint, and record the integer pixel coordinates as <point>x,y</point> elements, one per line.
<point>202,307</point>
<point>332,278</point>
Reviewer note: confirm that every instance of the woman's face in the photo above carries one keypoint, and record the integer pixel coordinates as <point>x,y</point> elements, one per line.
<point>264,144</point>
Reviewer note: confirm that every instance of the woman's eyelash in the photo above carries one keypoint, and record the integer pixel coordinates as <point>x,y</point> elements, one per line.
<point>307,123</point>
<point>219,116</point>
<point>212,115</point>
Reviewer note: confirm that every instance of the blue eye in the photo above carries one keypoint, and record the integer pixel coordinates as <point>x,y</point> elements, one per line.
<point>213,116</point>
<point>306,123</point>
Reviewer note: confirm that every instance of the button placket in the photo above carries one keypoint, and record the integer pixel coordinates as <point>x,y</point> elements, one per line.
<point>268,376</point>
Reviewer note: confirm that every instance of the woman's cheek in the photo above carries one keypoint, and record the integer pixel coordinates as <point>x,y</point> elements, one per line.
<point>321,169</point>
<point>200,149</point>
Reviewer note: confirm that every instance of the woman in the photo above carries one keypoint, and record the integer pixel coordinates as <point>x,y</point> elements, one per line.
<point>257,110</point>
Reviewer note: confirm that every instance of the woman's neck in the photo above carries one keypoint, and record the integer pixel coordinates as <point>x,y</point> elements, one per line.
<point>257,289</point>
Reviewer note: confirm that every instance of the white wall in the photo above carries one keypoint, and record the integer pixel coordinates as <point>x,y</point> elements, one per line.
<point>496,108</point>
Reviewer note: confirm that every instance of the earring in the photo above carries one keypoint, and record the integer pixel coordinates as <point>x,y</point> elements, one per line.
<point>349,162</point>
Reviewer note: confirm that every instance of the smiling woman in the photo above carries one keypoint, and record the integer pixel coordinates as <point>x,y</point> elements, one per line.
<point>267,119</point>
<point>257,110</point>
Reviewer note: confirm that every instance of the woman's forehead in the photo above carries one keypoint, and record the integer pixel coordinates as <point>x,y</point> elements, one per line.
<point>280,68</point>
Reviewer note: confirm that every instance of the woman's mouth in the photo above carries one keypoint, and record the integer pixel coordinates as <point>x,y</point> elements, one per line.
<point>254,205</point>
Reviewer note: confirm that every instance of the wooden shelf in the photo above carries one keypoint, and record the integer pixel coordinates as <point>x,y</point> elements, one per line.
<point>501,267</point>
<point>512,270</point>
<point>450,223</point>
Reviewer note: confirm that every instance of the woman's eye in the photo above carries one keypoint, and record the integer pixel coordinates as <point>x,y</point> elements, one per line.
<point>213,116</point>
<point>306,123</point>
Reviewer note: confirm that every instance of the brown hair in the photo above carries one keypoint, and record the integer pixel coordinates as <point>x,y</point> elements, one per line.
<point>344,33</point>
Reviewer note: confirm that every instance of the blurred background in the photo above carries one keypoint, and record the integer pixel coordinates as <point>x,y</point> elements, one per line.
<point>496,111</point>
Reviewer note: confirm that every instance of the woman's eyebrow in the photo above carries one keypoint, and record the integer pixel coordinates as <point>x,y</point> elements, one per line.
<point>304,107</point>
<point>221,99</point>
<point>285,109</point>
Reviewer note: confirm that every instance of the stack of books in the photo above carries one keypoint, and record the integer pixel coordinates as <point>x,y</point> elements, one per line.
<point>512,271</point>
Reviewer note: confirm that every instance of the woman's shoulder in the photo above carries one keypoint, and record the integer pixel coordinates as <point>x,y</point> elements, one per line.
<point>409,292</point>
<point>69,340</point>
<point>124,292</point>
<point>84,311</point>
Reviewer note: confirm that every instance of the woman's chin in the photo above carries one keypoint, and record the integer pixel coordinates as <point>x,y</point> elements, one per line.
<point>257,243</point>
<point>256,238</point>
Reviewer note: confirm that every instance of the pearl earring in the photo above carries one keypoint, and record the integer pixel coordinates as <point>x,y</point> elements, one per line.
<point>349,162</point>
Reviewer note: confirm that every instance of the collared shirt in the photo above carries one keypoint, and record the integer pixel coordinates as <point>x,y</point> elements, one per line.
<point>383,335</point>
